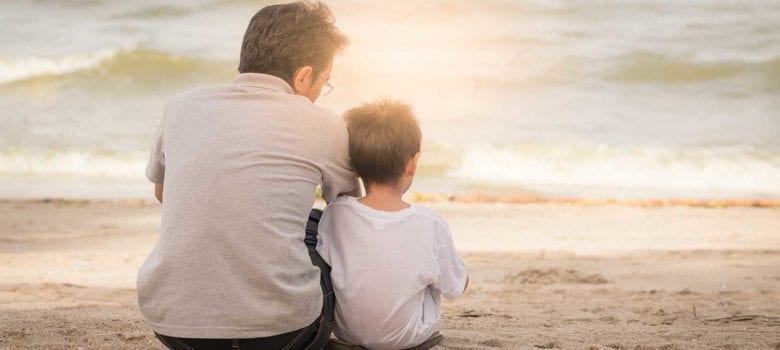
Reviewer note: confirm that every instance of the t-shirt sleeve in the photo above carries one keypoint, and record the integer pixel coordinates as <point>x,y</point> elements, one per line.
<point>155,168</point>
<point>452,271</point>
<point>323,247</point>
<point>337,174</point>
<point>325,232</point>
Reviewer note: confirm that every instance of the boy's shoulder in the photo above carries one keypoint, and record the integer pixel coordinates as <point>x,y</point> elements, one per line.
<point>339,207</point>
<point>417,211</point>
<point>432,215</point>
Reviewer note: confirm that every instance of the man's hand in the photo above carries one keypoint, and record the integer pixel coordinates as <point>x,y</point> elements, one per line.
<point>158,191</point>
<point>357,191</point>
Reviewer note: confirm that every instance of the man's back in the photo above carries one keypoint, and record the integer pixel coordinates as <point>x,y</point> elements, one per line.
<point>388,269</point>
<point>240,163</point>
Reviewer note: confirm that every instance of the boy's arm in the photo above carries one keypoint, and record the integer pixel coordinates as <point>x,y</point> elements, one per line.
<point>338,178</point>
<point>453,278</point>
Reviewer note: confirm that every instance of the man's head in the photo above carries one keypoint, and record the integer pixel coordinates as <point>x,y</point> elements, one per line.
<point>384,143</point>
<point>295,42</point>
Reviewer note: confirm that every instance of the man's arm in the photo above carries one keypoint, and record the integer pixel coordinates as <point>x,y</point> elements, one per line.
<point>338,178</point>
<point>158,191</point>
<point>356,191</point>
<point>155,167</point>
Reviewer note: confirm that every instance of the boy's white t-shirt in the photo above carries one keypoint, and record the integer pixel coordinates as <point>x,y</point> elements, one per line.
<point>388,270</point>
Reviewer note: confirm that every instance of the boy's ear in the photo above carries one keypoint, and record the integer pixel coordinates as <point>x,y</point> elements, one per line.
<point>302,80</point>
<point>411,166</point>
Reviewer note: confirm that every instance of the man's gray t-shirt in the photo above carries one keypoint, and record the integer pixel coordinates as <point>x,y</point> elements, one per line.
<point>239,163</point>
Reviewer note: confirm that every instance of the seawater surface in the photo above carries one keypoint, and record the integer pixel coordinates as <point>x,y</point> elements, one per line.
<point>646,98</point>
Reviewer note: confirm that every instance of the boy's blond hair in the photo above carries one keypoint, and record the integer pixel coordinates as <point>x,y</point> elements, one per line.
<point>383,136</point>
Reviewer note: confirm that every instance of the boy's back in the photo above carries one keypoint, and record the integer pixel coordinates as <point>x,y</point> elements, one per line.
<point>388,269</point>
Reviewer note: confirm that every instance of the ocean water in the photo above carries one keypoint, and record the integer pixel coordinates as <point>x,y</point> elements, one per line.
<point>595,98</point>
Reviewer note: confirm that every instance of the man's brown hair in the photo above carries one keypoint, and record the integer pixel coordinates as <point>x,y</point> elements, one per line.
<point>383,136</point>
<point>282,38</point>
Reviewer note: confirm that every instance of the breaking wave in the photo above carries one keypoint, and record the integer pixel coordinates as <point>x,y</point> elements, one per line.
<point>743,170</point>
<point>652,68</point>
<point>140,65</point>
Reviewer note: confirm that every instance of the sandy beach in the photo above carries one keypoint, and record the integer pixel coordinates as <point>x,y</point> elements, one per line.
<point>544,276</point>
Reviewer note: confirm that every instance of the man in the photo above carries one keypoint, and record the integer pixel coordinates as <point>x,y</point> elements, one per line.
<point>236,166</point>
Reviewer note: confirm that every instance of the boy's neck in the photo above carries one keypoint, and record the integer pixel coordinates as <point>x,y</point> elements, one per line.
<point>384,198</point>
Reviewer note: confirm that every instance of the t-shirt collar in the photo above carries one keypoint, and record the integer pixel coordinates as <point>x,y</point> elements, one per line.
<point>354,203</point>
<point>263,81</point>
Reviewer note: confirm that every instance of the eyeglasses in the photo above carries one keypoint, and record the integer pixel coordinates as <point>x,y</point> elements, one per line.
<point>326,84</point>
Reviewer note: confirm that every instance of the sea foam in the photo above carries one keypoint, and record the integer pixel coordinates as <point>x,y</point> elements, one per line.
<point>706,170</point>
<point>73,164</point>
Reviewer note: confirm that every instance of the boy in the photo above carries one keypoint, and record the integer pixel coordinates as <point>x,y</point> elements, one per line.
<point>390,260</point>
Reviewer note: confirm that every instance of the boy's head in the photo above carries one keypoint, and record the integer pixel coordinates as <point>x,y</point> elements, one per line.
<point>384,142</point>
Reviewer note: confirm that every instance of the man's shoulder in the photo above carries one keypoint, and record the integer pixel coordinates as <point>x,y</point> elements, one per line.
<point>197,93</point>
<point>326,118</point>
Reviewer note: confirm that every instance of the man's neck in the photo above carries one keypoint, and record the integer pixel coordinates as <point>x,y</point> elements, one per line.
<point>384,198</point>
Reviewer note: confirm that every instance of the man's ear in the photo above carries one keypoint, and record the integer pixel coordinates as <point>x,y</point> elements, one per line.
<point>302,80</point>
<point>411,166</point>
